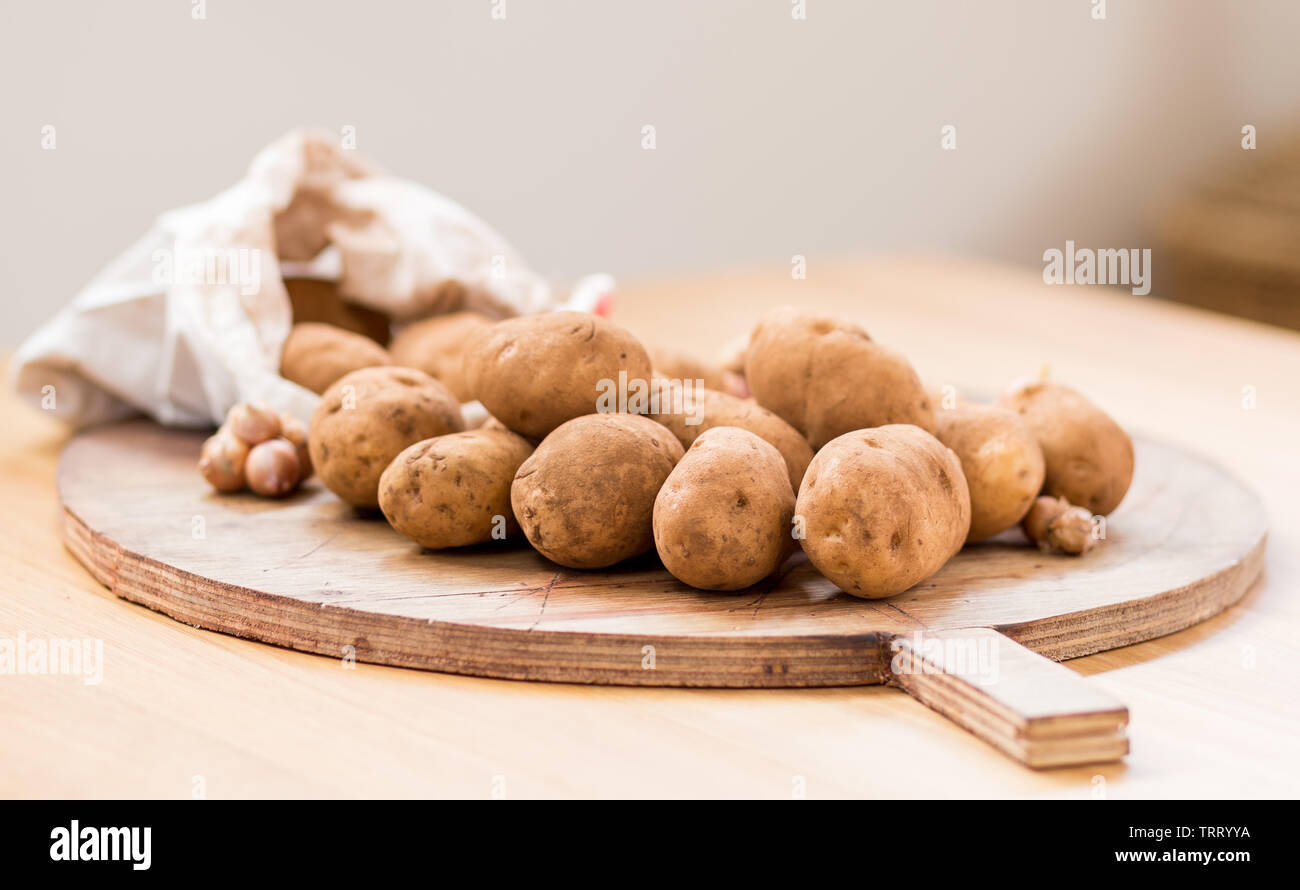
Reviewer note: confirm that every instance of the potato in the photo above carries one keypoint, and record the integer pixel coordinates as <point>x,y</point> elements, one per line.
<point>679,406</point>
<point>1001,460</point>
<point>535,372</point>
<point>1089,458</point>
<point>826,377</point>
<point>316,355</point>
<point>676,365</point>
<point>437,347</point>
<point>585,499</point>
<point>882,509</point>
<point>454,490</point>
<point>370,416</point>
<point>318,300</point>
<point>722,520</point>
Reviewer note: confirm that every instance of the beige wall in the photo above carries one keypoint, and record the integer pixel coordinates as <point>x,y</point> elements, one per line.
<point>775,137</point>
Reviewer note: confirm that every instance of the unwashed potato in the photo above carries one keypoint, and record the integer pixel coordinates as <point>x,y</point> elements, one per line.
<point>454,490</point>
<point>319,300</point>
<point>1001,460</point>
<point>883,509</point>
<point>315,355</point>
<point>676,365</point>
<point>585,498</point>
<point>370,416</point>
<point>722,520</point>
<point>437,347</point>
<point>535,372</point>
<point>491,423</point>
<point>826,377</point>
<point>690,411</point>
<point>1089,458</point>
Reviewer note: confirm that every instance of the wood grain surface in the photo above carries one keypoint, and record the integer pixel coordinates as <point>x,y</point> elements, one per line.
<point>180,712</point>
<point>311,573</point>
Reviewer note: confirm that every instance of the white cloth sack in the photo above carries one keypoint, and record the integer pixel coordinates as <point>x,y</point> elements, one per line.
<point>192,318</point>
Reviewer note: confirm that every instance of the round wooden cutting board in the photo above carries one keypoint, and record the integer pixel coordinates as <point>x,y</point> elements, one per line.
<point>312,574</point>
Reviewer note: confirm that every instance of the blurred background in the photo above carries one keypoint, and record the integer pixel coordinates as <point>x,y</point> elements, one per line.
<point>773,135</point>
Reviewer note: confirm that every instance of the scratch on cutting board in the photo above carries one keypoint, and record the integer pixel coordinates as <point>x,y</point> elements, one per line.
<point>546,599</point>
<point>308,553</point>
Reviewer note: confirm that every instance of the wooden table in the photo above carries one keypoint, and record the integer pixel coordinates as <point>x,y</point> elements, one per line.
<point>1215,709</point>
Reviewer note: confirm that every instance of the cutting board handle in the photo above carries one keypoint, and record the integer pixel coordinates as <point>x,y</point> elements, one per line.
<point>1034,710</point>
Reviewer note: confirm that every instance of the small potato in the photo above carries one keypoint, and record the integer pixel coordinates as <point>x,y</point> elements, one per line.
<point>370,416</point>
<point>315,355</point>
<point>1089,458</point>
<point>826,377</point>
<point>676,365</point>
<point>585,499</point>
<point>883,509</point>
<point>437,347</point>
<point>454,490</point>
<point>690,411</point>
<point>222,460</point>
<point>1001,460</point>
<point>535,372</point>
<point>722,520</point>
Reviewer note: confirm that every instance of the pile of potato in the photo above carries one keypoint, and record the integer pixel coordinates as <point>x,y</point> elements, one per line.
<point>840,450</point>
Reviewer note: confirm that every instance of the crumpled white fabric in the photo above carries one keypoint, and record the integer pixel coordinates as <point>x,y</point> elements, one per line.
<point>192,318</point>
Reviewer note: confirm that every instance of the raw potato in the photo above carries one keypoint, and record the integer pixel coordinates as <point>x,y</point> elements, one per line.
<point>722,521</point>
<point>535,372</point>
<point>315,355</point>
<point>493,424</point>
<point>449,491</point>
<point>1089,458</point>
<point>675,365</point>
<point>437,347</point>
<point>826,377</point>
<point>1001,460</point>
<point>585,499</point>
<point>318,299</point>
<point>369,417</point>
<point>883,509</point>
<point>713,409</point>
